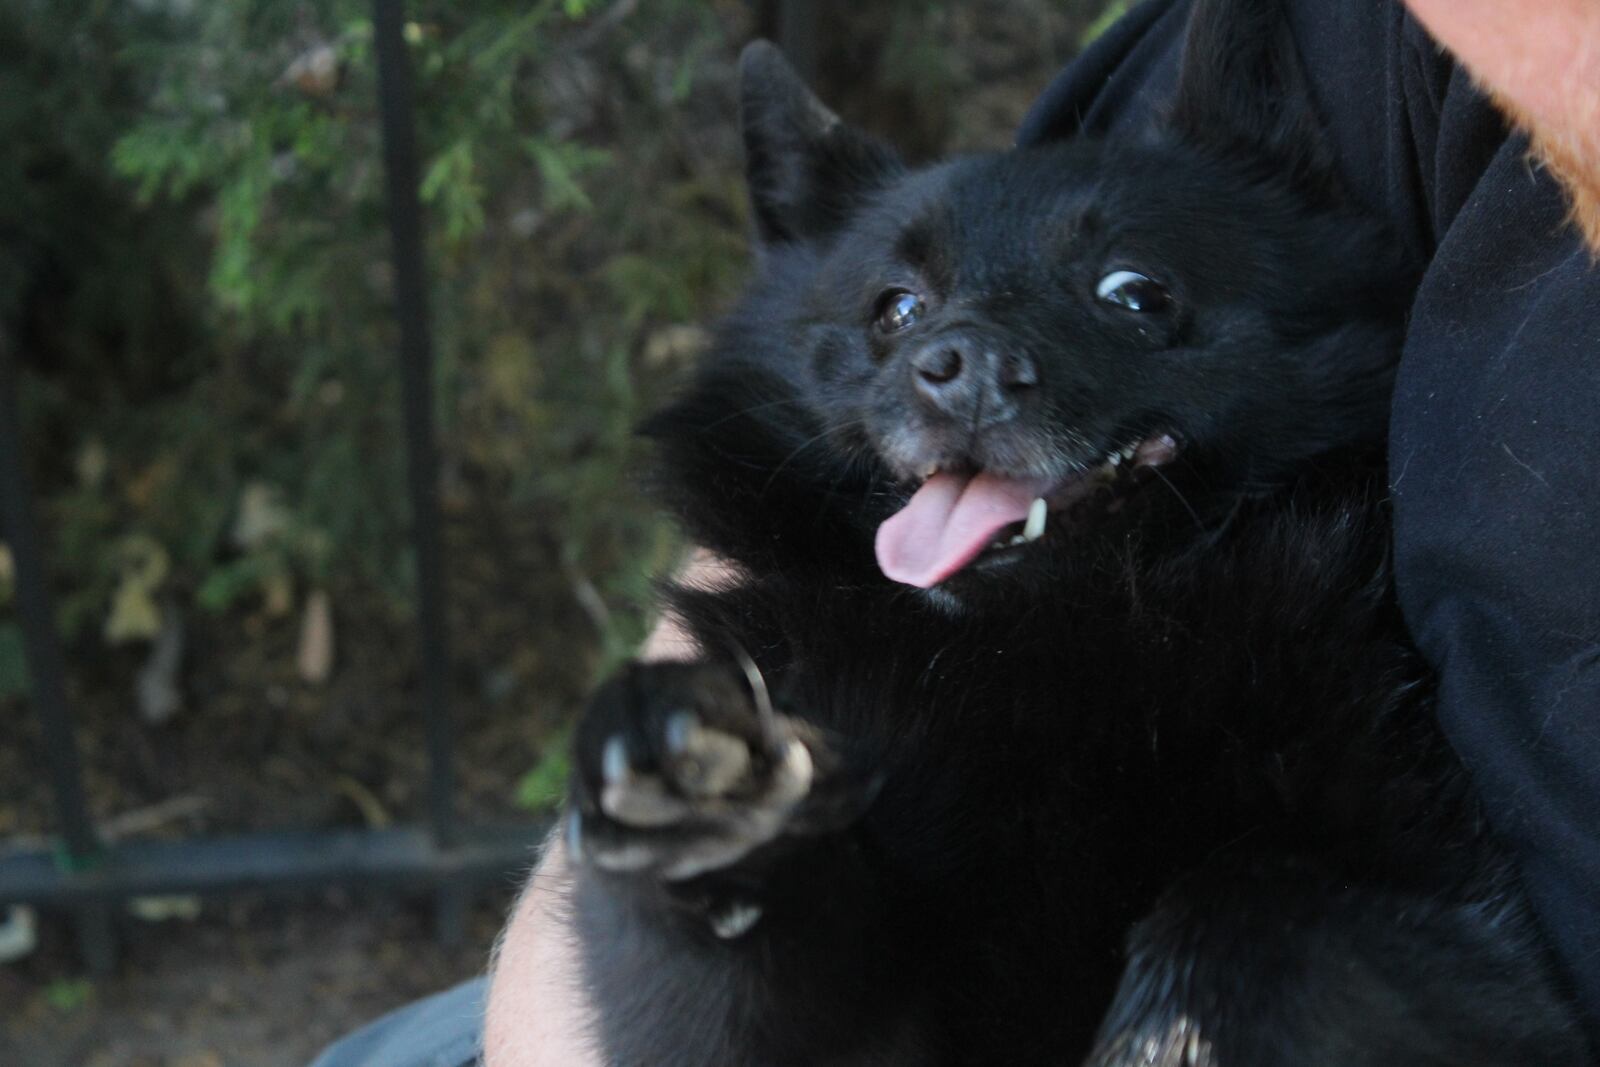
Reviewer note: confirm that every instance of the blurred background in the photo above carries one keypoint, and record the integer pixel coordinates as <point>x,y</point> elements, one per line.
<point>196,295</point>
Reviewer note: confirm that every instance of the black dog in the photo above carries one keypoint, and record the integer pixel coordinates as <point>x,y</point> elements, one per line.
<point>1051,481</point>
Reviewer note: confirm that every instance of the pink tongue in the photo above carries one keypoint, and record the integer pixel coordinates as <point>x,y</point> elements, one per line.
<point>947,523</point>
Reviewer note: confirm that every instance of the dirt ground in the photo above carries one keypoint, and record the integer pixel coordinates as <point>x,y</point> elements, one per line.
<point>247,985</point>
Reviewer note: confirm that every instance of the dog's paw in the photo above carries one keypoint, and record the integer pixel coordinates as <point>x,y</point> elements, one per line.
<point>678,773</point>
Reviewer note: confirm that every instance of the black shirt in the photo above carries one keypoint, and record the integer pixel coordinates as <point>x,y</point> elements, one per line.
<point>1495,444</point>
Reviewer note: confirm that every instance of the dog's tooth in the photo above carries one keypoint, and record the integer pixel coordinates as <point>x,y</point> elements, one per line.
<point>1114,459</point>
<point>1127,453</point>
<point>1037,514</point>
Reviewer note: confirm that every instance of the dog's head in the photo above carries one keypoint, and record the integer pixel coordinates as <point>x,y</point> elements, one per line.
<point>1021,343</point>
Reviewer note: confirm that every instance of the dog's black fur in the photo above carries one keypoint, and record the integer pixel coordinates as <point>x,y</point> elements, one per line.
<point>1164,787</point>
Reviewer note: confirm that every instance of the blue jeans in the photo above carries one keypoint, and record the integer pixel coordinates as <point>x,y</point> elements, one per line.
<point>444,1030</point>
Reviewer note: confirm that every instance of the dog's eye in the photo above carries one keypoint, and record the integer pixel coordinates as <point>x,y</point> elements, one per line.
<point>1132,290</point>
<point>898,309</point>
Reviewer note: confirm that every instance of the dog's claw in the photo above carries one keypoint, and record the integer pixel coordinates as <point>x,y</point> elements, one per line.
<point>572,833</point>
<point>680,725</point>
<point>614,765</point>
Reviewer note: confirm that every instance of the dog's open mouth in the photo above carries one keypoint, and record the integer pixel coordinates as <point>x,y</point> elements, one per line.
<point>956,518</point>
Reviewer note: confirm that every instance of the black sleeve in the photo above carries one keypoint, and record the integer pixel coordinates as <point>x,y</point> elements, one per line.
<point>1495,469</point>
<point>1494,445</point>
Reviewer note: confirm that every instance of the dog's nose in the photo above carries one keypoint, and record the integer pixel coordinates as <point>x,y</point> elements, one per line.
<point>964,380</point>
<point>938,369</point>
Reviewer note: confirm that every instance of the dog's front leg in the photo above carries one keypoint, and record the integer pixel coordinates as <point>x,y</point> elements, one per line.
<point>728,909</point>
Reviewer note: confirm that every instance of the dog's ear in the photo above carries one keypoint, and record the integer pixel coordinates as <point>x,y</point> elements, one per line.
<point>806,168</point>
<point>1241,90</point>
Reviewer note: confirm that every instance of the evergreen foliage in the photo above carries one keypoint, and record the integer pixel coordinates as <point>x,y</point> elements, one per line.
<point>160,134</point>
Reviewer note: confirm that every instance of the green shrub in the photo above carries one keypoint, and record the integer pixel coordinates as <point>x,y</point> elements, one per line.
<point>245,137</point>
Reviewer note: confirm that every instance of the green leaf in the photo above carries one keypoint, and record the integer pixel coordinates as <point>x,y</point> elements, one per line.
<point>1107,18</point>
<point>228,584</point>
<point>68,994</point>
<point>561,165</point>
<point>451,184</point>
<point>545,786</point>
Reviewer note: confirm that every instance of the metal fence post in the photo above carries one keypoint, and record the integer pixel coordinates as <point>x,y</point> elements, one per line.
<point>46,671</point>
<point>416,354</point>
